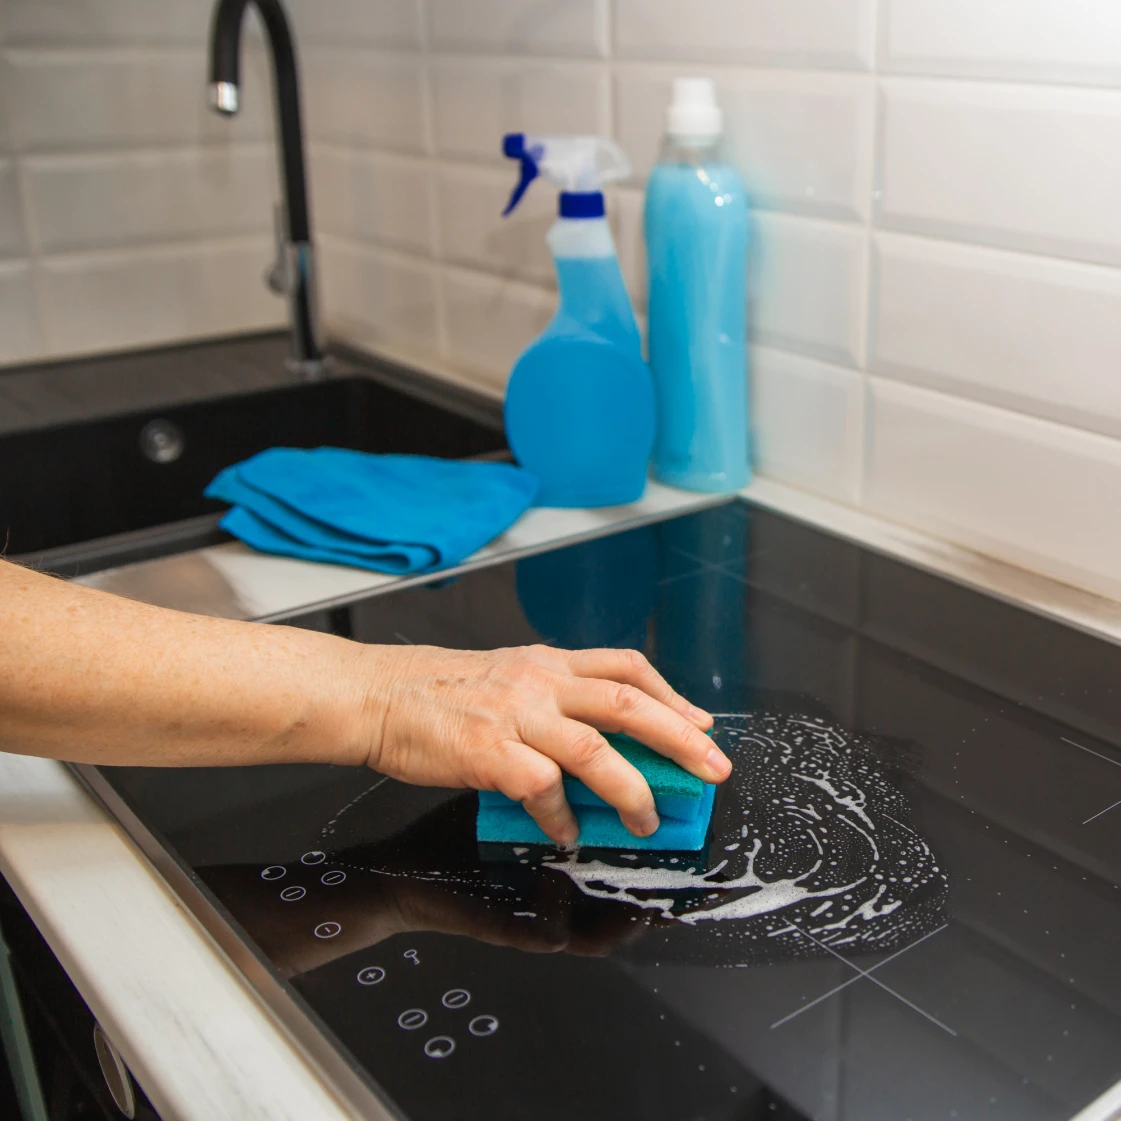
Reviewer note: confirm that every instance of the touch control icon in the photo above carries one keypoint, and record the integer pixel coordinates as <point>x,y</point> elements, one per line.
<point>291,894</point>
<point>274,872</point>
<point>332,878</point>
<point>327,930</point>
<point>371,975</point>
<point>313,857</point>
<point>439,1047</point>
<point>456,998</point>
<point>412,1018</point>
<point>483,1025</point>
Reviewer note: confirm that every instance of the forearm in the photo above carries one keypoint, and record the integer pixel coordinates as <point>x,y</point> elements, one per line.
<point>92,677</point>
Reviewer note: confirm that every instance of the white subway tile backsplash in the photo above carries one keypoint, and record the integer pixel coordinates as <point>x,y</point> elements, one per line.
<point>1027,491</point>
<point>81,202</point>
<point>21,332</point>
<point>802,141</point>
<point>378,298</point>
<point>625,211</point>
<point>825,33</point>
<point>364,98</point>
<point>473,232</point>
<point>807,422</point>
<point>68,100</point>
<point>144,297</point>
<point>1076,41</point>
<point>1022,167</point>
<point>968,254</point>
<point>536,27</point>
<point>489,321</point>
<point>476,102</point>
<point>12,241</point>
<point>1033,334</point>
<point>371,196</point>
<point>807,286</point>
<point>106,22</point>
<point>387,24</point>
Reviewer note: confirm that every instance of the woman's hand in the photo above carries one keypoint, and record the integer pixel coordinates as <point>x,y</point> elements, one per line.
<point>512,720</point>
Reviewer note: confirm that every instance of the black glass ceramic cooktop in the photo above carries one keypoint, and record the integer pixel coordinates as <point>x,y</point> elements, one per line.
<point>908,907</point>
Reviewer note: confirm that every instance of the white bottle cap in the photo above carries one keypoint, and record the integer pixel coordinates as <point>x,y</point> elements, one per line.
<point>693,110</point>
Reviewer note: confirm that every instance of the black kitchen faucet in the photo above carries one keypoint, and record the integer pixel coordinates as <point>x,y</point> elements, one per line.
<point>294,271</point>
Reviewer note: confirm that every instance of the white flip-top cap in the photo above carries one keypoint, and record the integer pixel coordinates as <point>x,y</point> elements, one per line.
<point>693,110</point>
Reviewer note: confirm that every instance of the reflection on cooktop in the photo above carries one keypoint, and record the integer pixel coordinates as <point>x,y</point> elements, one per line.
<point>908,907</point>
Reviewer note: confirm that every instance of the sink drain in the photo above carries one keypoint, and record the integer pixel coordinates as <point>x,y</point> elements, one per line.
<point>161,441</point>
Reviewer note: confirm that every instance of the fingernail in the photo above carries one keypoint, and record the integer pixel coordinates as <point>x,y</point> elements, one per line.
<point>649,825</point>
<point>569,835</point>
<point>700,714</point>
<point>718,763</point>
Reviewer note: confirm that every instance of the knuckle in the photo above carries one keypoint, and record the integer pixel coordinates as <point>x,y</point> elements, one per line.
<point>635,660</point>
<point>626,699</point>
<point>542,785</point>
<point>587,749</point>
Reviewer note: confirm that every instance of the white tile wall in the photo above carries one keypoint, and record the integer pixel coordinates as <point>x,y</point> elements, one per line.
<point>477,101</point>
<point>807,422</point>
<point>380,299</point>
<point>372,196</point>
<point>122,98</point>
<point>364,98</point>
<point>21,331</point>
<point>115,300</point>
<point>935,296</point>
<point>93,201</point>
<point>1077,41</point>
<point>936,268</point>
<point>1036,493</point>
<point>538,27</point>
<point>823,33</point>
<point>1029,333</point>
<point>1036,168</point>
<point>129,214</point>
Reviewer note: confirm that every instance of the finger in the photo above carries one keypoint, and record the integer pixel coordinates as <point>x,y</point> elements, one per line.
<point>535,780</point>
<point>583,752</point>
<point>629,667</point>
<point>611,707</point>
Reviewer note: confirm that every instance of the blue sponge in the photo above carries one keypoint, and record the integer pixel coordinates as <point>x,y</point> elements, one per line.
<point>600,827</point>
<point>676,792</point>
<point>683,801</point>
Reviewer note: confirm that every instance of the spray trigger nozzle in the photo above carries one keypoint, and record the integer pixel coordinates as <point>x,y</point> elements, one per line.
<point>578,165</point>
<point>514,148</point>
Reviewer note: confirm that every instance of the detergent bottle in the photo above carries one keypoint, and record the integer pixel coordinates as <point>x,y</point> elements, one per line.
<point>579,409</point>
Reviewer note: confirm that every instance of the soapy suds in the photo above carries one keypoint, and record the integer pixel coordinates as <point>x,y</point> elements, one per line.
<point>826,850</point>
<point>812,848</point>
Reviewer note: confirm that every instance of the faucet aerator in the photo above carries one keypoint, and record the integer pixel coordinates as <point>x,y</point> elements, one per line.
<point>224,98</point>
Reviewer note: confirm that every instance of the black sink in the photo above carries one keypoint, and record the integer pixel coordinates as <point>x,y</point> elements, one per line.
<point>79,497</point>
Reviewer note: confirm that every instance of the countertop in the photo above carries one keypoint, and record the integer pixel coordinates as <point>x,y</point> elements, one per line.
<point>194,1035</point>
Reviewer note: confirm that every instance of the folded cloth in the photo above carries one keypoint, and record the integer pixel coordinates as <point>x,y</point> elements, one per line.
<point>389,513</point>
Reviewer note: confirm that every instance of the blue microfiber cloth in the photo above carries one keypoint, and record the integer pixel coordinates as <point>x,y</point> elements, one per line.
<point>389,513</point>
<point>683,801</point>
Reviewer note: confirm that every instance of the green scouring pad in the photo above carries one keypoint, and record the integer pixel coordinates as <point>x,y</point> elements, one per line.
<point>684,803</point>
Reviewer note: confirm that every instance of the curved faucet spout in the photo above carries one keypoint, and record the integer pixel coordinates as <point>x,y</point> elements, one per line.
<point>295,256</point>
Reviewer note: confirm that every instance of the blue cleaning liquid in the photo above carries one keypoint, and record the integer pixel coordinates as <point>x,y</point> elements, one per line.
<point>579,406</point>
<point>593,295</point>
<point>696,246</point>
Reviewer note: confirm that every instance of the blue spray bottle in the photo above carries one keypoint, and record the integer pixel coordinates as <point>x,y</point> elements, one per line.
<point>696,250</point>
<point>579,406</point>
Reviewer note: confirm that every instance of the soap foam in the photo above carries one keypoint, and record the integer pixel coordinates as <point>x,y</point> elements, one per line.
<point>827,854</point>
